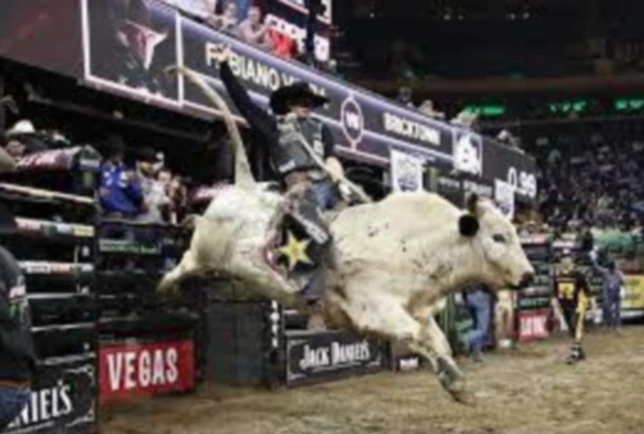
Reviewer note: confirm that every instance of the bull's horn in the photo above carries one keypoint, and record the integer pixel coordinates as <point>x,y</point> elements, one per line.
<point>243,175</point>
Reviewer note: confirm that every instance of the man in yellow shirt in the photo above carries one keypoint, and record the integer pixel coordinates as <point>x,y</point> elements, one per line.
<point>571,293</point>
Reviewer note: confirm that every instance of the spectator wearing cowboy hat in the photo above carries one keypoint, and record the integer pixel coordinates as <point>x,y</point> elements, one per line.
<point>23,139</point>
<point>308,186</point>
<point>137,41</point>
<point>17,354</point>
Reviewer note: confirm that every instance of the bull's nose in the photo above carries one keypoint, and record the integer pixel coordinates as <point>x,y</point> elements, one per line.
<point>527,279</point>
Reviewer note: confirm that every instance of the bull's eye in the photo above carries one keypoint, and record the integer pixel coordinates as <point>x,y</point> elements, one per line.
<point>499,238</point>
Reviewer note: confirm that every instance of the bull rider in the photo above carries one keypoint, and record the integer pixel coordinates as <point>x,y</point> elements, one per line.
<point>309,188</point>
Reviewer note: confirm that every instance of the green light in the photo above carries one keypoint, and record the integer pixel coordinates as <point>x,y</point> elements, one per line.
<point>579,106</point>
<point>628,104</point>
<point>489,110</point>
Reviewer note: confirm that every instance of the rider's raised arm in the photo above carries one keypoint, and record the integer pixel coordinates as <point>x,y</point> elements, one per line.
<point>257,117</point>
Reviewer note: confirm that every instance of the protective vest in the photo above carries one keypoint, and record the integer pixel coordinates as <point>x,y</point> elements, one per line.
<point>291,155</point>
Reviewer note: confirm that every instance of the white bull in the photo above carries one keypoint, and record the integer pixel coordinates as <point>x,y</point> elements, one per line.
<point>389,263</point>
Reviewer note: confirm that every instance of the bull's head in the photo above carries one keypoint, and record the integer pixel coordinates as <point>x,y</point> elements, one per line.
<point>504,262</point>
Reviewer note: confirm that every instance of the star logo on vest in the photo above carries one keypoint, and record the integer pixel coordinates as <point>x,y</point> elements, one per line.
<point>295,251</point>
<point>352,121</point>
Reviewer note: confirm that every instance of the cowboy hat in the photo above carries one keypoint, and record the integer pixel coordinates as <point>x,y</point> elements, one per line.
<point>284,96</point>
<point>8,223</point>
<point>22,127</point>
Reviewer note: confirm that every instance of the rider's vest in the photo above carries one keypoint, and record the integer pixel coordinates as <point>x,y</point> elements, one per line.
<point>291,154</point>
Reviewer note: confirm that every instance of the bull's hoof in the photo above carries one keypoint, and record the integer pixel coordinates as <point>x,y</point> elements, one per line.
<point>454,382</point>
<point>460,393</point>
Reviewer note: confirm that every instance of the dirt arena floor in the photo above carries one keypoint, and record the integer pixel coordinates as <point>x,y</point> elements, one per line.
<point>524,391</point>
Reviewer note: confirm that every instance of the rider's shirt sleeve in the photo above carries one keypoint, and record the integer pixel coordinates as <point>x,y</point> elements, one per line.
<point>256,116</point>
<point>328,141</point>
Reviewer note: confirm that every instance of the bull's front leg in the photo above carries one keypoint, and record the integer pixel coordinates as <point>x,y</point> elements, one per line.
<point>384,315</point>
<point>436,345</point>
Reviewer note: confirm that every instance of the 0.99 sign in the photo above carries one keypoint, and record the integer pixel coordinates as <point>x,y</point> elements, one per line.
<point>525,184</point>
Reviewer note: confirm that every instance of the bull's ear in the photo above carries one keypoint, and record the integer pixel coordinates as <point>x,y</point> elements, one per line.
<point>471,203</point>
<point>468,225</point>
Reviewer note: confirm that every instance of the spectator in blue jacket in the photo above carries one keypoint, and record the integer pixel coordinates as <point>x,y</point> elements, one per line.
<point>120,190</point>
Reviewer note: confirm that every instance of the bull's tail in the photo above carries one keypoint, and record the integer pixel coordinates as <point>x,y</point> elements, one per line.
<point>243,175</point>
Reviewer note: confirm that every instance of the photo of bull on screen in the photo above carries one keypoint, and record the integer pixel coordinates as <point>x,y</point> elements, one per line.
<point>467,152</point>
<point>129,45</point>
<point>406,172</point>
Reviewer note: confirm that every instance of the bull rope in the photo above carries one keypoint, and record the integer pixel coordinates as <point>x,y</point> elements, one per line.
<point>243,175</point>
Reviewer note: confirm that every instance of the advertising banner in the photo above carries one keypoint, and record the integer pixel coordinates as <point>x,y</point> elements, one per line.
<point>406,172</point>
<point>63,399</point>
<point>323,356</point>
<point>533,325</point>
<point>132,370</point>
<point>300,6</point>
<point>118,49</point>
<point>633,293</point>
<point>401,359</point>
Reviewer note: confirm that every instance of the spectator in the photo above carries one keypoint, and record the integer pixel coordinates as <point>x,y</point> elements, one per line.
<point>427,108</point>
<point>253,31</point>
<point>155,200</point>
<point>228,21</point>
<point>17,353</point>
<point>178,194</point>
<point>613,282</point>
<point>120,191</point>
<point>405,96</point>
<point>23,139</point>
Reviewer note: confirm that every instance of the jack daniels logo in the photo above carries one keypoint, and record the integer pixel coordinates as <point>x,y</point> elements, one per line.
<point>63,397</point>
<point>324,354</point>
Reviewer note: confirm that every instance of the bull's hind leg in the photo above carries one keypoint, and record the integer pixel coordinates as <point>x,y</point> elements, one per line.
<point>385,316</point>
<point>171,282</point>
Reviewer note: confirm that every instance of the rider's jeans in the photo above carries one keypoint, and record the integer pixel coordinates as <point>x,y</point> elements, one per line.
<point>326,194</point>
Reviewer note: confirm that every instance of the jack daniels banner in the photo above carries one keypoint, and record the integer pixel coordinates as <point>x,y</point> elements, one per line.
<point>63,399</point>
<point>112,47</point>
<point>317,357</point>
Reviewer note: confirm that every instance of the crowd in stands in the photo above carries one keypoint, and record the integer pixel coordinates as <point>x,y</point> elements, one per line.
<point>594,182</point>
<point>146,191</point>
<point>247,21</point>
